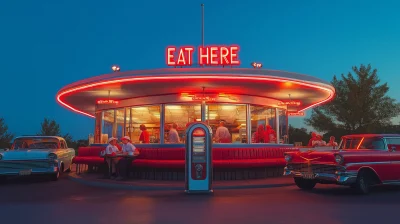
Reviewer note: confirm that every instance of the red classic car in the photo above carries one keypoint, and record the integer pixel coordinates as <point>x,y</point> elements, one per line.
<point>360,161</point>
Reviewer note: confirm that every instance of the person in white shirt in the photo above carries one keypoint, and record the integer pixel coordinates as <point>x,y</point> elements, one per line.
<point>222,134</point>
<point>173,136</point>
<point>332,142</point>
<point>124,164</point>
<point>112,150</point>
<point>319,142</point>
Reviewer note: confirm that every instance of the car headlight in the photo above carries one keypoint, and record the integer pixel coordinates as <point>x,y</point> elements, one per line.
<point>288,158</point>
<point>52,156</point>
<point>339,159</point>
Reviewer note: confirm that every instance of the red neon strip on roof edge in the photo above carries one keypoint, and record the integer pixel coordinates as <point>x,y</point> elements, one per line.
<point>86,86</point>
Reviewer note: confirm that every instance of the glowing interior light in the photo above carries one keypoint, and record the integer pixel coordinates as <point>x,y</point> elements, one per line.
<point>173,107</point>
<point>228,107</point>
<point>140,108</point>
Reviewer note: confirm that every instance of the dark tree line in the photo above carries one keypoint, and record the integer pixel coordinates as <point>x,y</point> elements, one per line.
<point>48,128</point>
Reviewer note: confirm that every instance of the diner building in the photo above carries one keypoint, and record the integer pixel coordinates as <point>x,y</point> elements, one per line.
<point>154,108</point>
<point>241,98</point>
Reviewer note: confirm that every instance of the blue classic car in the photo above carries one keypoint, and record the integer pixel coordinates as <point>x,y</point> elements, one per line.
<point>31,155</point>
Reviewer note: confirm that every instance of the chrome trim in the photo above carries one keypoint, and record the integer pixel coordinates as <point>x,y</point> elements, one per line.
<point>341,178</point>
<point>367,163</point>
<point>391,182</point>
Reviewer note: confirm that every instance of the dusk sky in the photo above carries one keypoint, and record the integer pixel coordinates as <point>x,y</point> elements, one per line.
<point>48,44</point>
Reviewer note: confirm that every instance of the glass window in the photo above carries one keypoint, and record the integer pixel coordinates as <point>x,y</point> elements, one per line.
<point>283,126</point>
<point>393,141</point>
<point>362,143</point>
<point>263,124</point>
<point>228,122</point>
<point>63,145</point>
<point>177,118</point>
<point>108,125</point>
<point>143,124</point>
<point>97,134</point>
<point>119,126</point>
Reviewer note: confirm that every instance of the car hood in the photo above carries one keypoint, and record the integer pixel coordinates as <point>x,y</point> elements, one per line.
<point>326,156</point>
<point>26,154</point>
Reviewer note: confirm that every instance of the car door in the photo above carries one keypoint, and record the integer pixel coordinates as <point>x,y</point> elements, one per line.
<point>64,154</point>
<point>393,144</point>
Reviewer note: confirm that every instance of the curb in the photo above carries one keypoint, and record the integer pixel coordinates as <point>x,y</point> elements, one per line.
<point>142,187</point>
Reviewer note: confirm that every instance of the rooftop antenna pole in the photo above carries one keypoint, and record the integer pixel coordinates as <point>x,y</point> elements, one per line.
<point>202,24</point>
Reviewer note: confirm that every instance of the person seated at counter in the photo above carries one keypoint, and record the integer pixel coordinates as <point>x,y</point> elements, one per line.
<point>319,142</point>
<point>259,135</point>
<point>313,138</point>
<point>173,136</point>
<point>125,163</point>
<point>332,142</point>
<point>112,150</point>
<point>270,135</point>
<point>222,134</point>
<point>144,136</point>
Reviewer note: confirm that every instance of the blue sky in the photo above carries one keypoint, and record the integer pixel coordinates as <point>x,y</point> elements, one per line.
<point>47,44</point>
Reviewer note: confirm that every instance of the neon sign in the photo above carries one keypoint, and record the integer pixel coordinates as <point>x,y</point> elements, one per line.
<point>296,114</point>
<point>289,103</point>
<point>204,98</point>
<point>211,55</point>
<point>107,102</point>
<point>256,65</point>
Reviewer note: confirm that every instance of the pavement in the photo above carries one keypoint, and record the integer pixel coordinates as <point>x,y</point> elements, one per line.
<point>39,200</point>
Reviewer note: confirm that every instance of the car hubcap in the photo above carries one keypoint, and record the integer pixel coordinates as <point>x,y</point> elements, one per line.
<point>363,185</point>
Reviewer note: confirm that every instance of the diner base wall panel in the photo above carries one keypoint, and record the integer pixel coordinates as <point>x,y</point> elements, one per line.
<point>218,174</point>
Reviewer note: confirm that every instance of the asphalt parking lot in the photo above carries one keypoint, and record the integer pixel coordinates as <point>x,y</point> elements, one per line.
<point>40,200</point>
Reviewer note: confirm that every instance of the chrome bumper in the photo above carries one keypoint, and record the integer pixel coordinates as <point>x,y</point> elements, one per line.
<point>35,171</point>
<point>341,178</point>
<point>23,168</point>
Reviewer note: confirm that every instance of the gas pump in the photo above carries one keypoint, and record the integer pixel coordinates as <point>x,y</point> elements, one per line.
<point>198,172</point>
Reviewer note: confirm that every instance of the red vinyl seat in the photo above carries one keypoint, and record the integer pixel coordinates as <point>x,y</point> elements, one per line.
<point>175,157</point>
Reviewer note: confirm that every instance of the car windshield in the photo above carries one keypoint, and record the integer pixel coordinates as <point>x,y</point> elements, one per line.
<point>362,143</point>
<point>35,143</point>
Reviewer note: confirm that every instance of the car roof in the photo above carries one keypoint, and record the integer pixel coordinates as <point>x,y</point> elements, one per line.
<point>371,135</point>
<point>39,136</point>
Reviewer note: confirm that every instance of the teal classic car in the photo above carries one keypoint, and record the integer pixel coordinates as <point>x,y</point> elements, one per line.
<point>36,155</point>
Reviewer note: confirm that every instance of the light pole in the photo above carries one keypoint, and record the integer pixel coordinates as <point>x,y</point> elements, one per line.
<point>202,25</point>
<point>115,68</point>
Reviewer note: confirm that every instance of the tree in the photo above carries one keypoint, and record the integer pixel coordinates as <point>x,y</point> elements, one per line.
<point>50,128</point>
<point>5,136</point>
<point>298,135</point>
<point>360,106</point>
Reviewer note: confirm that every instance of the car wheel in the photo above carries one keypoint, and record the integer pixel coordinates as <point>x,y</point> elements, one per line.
<point>305,184</point>
<point>56,176</point>
<point>68,170</point>
<point>363,183</point>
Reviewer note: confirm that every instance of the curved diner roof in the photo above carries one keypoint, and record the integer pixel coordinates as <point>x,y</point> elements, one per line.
<point>81,96</point>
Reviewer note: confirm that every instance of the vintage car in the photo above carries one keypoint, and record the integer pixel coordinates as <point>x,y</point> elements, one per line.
<point>360,161</point>
<point>31,155</point>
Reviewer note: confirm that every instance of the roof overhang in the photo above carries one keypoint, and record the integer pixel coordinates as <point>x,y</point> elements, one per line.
<point>81,96</point>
